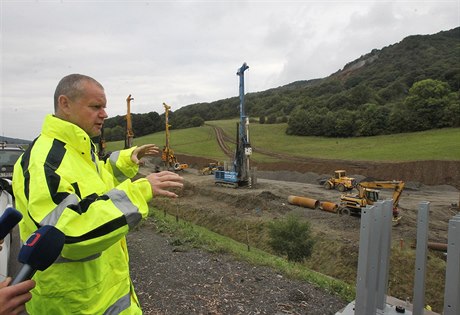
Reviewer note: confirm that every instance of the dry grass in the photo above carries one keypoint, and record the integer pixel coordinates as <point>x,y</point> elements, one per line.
<point>337,259</point>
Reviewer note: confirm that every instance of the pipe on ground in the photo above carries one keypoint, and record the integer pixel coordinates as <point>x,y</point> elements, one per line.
<point>303,201</point>
<point>329,206</point>
<point>442,247</point>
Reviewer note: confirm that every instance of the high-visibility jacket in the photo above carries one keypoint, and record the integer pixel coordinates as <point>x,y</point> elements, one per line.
<point>60,181</point>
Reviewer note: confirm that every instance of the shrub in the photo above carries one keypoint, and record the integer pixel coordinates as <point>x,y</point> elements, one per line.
<point>291,237</point>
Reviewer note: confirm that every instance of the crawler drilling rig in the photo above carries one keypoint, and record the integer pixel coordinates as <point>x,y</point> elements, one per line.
<point>239,175</point>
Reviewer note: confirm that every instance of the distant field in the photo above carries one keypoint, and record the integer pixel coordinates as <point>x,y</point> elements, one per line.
<point>441,144</point>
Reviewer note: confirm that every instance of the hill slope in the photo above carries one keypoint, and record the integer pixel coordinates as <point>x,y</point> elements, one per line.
<point>377,84</point>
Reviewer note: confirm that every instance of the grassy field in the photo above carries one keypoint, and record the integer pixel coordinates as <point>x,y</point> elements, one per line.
<point>441,144</point>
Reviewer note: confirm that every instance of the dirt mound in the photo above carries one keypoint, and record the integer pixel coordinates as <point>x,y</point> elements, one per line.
<point>310,170</point>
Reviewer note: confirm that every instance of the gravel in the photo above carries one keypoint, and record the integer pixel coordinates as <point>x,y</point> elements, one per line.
<point>170,278</point>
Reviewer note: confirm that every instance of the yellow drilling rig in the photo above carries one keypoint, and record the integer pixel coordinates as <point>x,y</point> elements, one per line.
<point>129,135</point>
<point>167,156</point>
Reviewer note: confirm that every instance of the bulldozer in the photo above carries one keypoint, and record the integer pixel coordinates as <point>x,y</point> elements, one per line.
<point>368,193</point>
<point>339,181</point>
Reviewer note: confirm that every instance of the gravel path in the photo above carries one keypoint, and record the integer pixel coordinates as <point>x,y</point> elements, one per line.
<point>171,279</point>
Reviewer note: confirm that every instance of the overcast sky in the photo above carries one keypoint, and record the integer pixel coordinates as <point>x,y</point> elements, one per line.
<point>185,52</point>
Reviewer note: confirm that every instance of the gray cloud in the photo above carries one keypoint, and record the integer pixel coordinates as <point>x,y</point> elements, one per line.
<point>184,52</point>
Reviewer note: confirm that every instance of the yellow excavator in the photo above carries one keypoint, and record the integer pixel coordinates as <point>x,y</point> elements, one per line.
<point>167,155</point>
<point>368,193</point>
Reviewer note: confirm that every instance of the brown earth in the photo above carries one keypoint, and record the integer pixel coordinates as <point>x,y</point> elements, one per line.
<point>437,182</point>
<point>185,281</point>
<point>276,181</point>
<point>172,278</point>
<point>434,172</point>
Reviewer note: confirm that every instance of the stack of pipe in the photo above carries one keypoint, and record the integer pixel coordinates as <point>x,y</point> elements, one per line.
<point>303,201</point>
<point>313,203</point>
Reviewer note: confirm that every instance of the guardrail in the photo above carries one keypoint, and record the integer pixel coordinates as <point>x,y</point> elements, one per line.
<point>374,261</point>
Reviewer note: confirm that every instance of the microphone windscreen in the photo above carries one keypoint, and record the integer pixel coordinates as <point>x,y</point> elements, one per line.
<point>42,248</point>
<point>8,221</point>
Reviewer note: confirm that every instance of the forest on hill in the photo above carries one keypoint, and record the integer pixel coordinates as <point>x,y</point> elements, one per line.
<point>409,86</point>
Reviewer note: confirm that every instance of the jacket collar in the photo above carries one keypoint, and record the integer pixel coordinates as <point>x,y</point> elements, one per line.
<point>68,133</point>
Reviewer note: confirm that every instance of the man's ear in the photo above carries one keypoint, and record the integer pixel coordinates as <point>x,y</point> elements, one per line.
<point>63,104</point>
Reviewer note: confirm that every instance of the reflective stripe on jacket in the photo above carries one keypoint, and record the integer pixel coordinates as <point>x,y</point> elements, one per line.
<point>60,181</point>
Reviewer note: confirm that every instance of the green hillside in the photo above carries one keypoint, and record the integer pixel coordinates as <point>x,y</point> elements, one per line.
<point>412,85</point>
<point>441,144</point>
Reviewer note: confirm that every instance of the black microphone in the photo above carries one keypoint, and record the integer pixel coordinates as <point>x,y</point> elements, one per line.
<point>8,221</point>
<point>39,252</point>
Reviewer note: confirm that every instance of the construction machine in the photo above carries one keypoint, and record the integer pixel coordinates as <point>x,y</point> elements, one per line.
<point>339,181</point>
<point>167,155</point>
<point>368,193</point>
<point>211,168</point>
<point>239,175</point>
<point>129,135</point>
<point>101,144</point>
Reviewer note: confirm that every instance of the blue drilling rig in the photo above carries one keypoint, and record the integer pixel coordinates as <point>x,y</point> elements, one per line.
<point>239,175</point>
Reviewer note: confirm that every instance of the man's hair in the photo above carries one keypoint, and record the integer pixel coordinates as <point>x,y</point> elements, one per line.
<point>72,87</point>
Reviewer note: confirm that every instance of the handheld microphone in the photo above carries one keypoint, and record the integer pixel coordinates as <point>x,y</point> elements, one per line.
<point>8,221</point>
<point>39,252</point>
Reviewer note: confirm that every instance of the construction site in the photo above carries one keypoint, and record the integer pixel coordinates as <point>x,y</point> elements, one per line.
<point>237,198</point>
<point>230,212</point>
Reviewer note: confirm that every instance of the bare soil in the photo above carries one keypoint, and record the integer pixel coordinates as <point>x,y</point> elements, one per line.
<point>276,181</point>
<point>173,279</point>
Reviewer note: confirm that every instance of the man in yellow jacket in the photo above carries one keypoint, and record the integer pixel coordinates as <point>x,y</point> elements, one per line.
<point>60,181</point>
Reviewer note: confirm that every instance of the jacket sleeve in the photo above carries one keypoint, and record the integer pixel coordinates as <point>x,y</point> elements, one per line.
<point>119,164</point>
<point>95,223</point>
<point>92,223</point>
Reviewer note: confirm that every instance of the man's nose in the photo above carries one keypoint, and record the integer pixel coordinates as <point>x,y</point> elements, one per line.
<point>103,113</point>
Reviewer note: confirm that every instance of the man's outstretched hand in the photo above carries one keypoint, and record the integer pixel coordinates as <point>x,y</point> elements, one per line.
<point>143,150</point>
<point>163,181</point>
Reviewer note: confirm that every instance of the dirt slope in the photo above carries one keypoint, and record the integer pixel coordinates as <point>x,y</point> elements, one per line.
<point>423,172</point>
<point>171,278</point>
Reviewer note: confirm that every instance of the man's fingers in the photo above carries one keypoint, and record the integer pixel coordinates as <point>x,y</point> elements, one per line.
<point>166,193</point>
<point>148,149</point>
<point>170,183</point>
<point>168,176</point>
<point>164,181</point>
<point>164,173</point>
<point>5,283</point>
<point>143,150</point>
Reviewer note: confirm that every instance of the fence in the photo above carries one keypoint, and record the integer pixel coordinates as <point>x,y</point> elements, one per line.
<point>374,258</point>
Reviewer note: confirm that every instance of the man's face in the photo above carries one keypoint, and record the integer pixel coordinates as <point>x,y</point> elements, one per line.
<point>88,111</point>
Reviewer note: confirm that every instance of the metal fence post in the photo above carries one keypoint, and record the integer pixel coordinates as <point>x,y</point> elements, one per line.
<point>421,252</point>
<point>452,287</point>
<point>385,252</point>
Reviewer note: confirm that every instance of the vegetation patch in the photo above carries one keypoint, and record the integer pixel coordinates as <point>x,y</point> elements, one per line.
<point>200,237</point>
